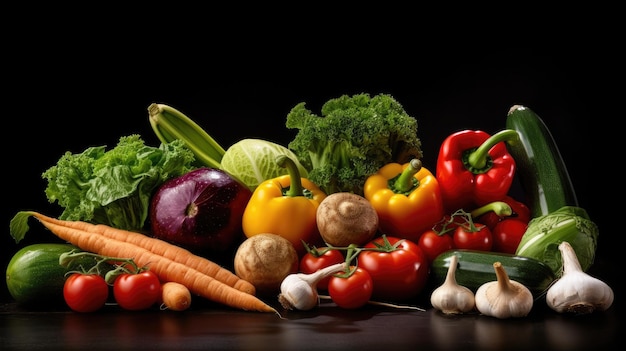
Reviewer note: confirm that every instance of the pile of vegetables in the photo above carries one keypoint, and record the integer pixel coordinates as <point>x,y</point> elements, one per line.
<point>346,208</point>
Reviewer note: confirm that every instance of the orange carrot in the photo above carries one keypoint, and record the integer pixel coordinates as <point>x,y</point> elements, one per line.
<point>175,296</point>
<point>161,248</point>
<point>166,268</point>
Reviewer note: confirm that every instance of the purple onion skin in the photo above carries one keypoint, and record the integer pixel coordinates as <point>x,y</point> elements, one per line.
<point>200,211</point>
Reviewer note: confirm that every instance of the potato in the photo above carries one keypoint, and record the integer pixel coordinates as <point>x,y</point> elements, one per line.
<point>265,260</point>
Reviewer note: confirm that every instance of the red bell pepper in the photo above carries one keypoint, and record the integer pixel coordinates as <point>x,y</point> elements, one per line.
<point>474,168</point>
<point>519,211</point>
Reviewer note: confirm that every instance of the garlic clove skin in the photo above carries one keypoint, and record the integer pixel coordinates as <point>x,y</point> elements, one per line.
<point>299,290</point>
<point>576,291</point>
<point>503,298</point>
<point>298,293</point>
<point>579,293</point>
<point>450,297</point>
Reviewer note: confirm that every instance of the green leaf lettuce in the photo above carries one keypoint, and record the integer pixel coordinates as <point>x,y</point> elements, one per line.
<point>114,187</point>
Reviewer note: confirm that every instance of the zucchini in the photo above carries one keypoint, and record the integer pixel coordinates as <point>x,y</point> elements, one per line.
<point>541,171</point>
<point>476,268</point>
<point>35,277</point>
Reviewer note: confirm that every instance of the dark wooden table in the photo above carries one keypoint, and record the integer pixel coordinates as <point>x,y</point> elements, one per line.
<point>325,328</point>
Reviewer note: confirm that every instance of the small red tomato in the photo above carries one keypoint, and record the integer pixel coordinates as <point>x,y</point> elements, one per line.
<point>507,235</point>
<point>320,258</point>
<point>137,291</point>
<point>476,237</point>
<point>85,292</point>
<point>434,244</point>
<point>351,292</point>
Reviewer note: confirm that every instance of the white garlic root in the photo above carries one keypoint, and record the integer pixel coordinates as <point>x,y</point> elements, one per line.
<point>576,291</point>
<point>299,290</point>
<point>450,297</point>
<point>503,298</point>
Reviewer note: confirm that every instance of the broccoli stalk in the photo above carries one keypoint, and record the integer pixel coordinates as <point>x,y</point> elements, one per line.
<point>354,137</point>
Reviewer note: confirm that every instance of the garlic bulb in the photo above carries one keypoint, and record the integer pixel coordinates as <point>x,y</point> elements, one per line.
<point>299,290</point>
<point>576,291</point>
<point>503,298</point>
<point>450,297</point>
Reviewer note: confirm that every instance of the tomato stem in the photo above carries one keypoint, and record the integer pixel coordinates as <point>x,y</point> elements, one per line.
<point>467,221</point>
<point>353,251</point>
<point>316,251</point>
<point>106,266</point>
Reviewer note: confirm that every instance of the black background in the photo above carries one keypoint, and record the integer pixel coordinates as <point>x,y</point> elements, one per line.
<point>67,89</point>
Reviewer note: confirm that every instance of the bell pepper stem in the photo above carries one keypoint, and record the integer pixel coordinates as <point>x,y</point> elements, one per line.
<point>405,181</point>
<point>295,187</point>
<point>501,208</point>
<point>478,158</point>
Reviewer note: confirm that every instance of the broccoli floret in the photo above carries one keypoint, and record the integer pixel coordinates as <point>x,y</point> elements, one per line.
<point>352,139</point>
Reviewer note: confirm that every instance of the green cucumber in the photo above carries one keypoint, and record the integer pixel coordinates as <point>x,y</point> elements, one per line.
<point>475,268</point>
<point>539,166</point>
<point>35,277</point>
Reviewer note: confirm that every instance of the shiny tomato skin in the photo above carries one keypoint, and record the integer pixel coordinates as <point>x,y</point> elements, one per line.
<point>490,219</point>
<point>507,235</point>
<point>481,239</point>
<point>397,275</point>
<point>310,263</point>
<point>85,292</point>
<point>137,291</point>
<point>433,244</point>
<point>351,292</point>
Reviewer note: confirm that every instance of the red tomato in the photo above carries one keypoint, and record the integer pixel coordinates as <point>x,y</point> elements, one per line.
<point>85,292</point>
<point>351,292</point>
<point>433,244</point>
<point>507,235</point>
<point>479,239</point>
<point>137,291</point>
<point>312,262</point>
<point>398,274</point>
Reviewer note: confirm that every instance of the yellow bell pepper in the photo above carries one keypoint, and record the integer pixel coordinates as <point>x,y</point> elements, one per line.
<point>286,206</point>
<point>406,197</point>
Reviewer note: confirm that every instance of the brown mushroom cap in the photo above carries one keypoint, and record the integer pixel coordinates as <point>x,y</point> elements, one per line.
<point>345,218</point>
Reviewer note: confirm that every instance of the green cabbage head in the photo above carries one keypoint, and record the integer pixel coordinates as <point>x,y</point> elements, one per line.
<point>253,161</point>
<point>545,233</point>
